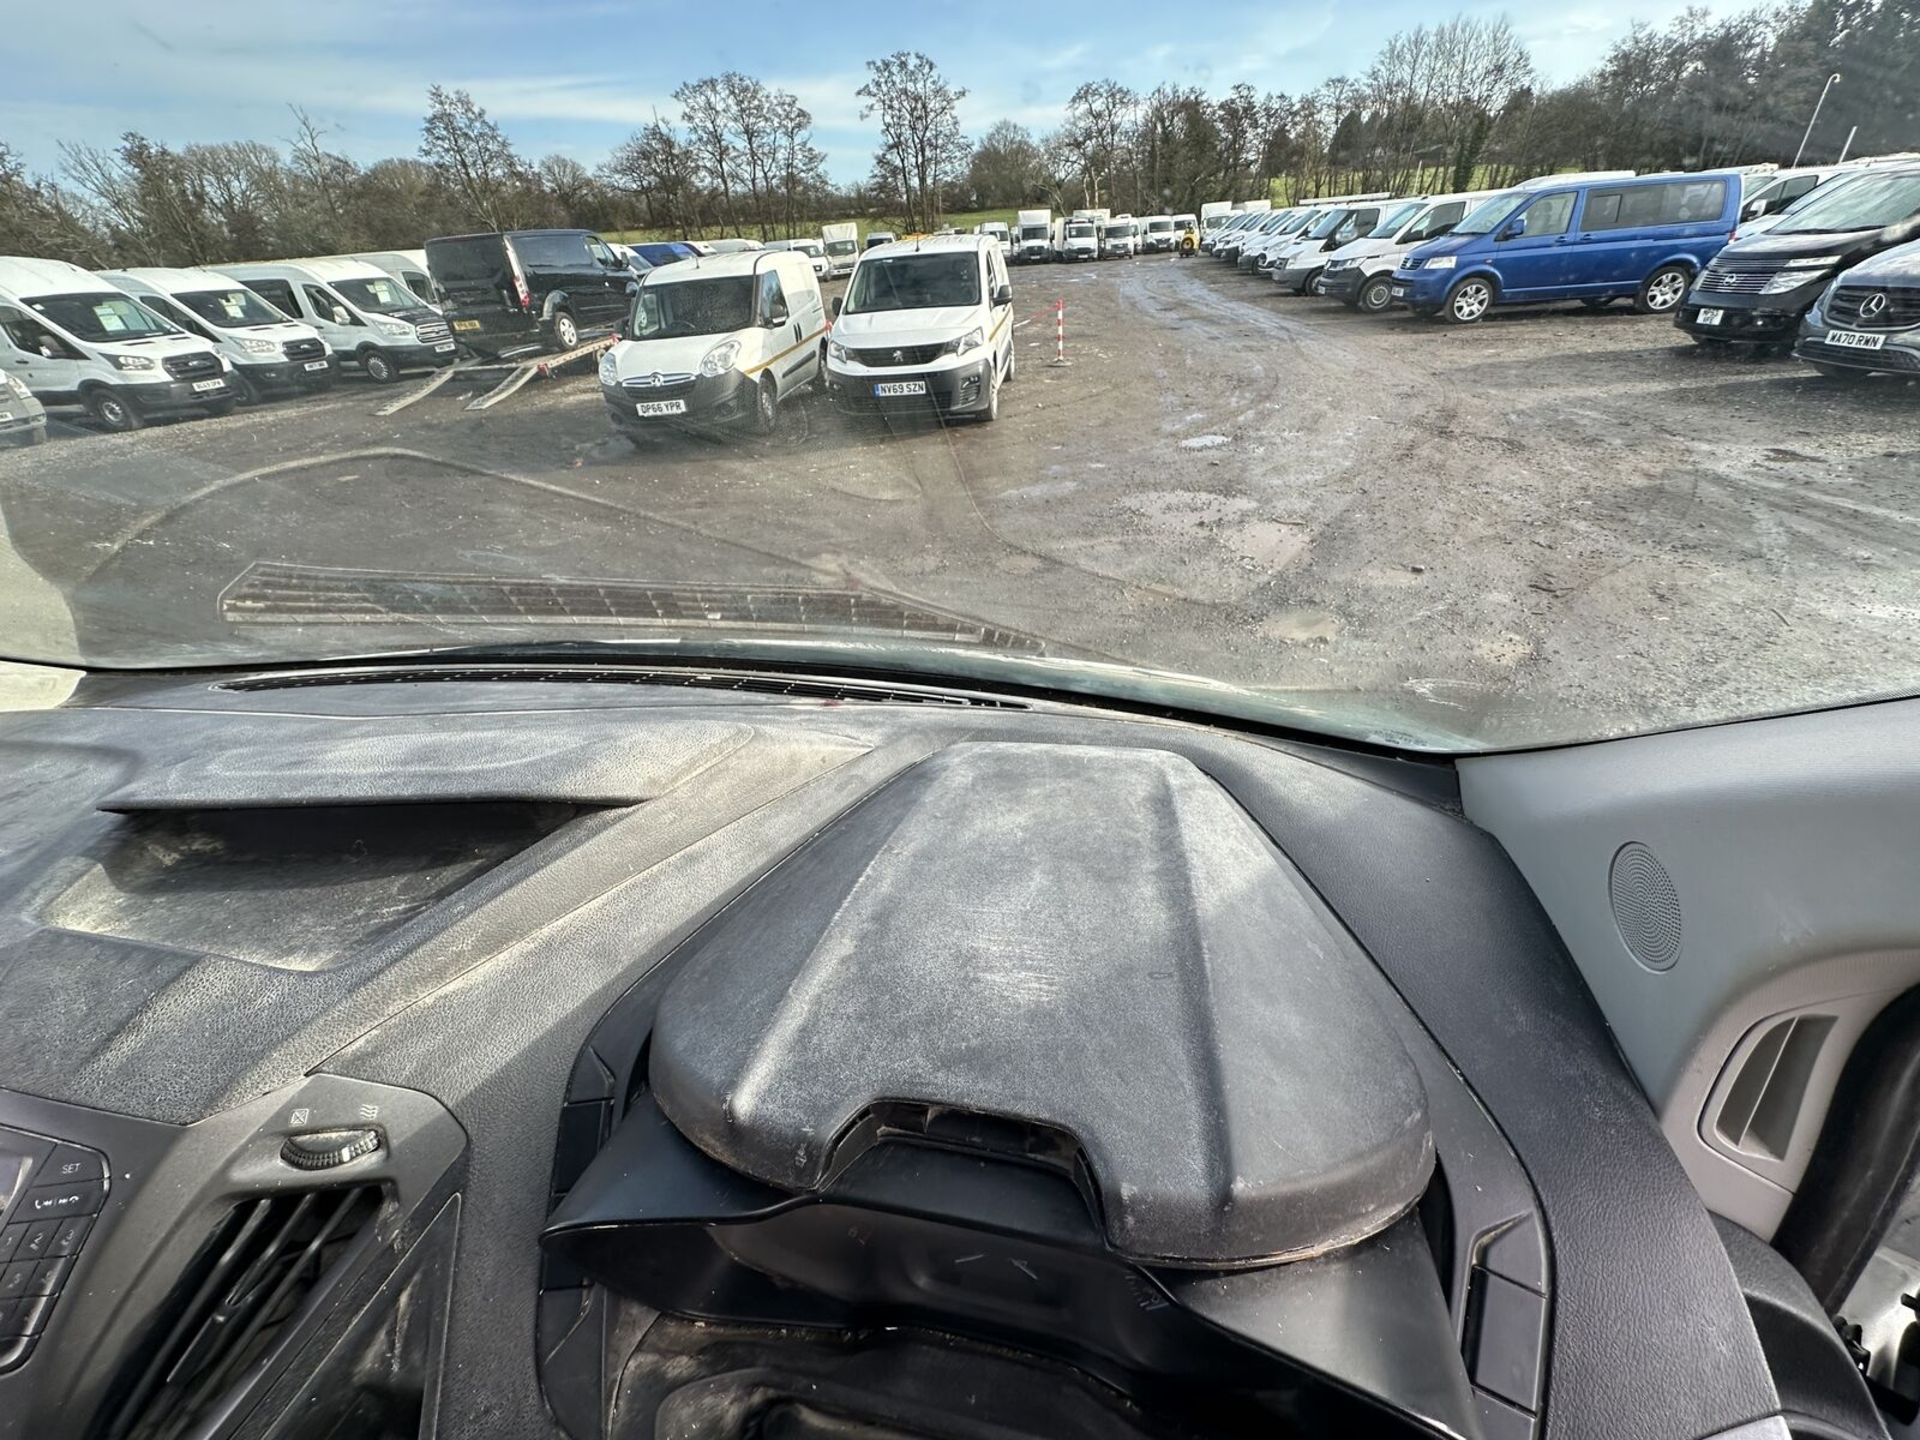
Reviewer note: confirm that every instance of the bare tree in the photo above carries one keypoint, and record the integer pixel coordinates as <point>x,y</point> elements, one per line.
<point>1100,122</point>
<point>663,170</point>
<point>704,109</point>
<point>921,148</point>
<point>473,157</point>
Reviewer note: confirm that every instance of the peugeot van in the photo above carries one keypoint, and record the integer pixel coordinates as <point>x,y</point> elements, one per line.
<point>1868,319</point>
<point>925,326</point>
<point>270,354</point>
<point>1569,238</point>
<point>718,340</point>
<point>1360,273</point>
<point>74,340</point>
<point>366,317</point>
<point>524,291</point>
<point>1758,288</point>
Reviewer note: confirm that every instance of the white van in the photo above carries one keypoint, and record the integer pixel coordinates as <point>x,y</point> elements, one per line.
<point>843,247</point>
<point>1076,237</point>
<point>997,230</point>
<point>270,354</point>
<point>1119,238</point>
<point>814,250</point>
<point>73,339</point>
<point>1360,273</point>
<point>366,317</point>
<point>1157,232</point>
<point>926,325</point>
<point>719,339</point>
<point>409,267</point>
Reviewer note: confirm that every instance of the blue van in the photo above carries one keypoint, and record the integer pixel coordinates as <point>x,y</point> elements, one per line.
<point>1574,237</point>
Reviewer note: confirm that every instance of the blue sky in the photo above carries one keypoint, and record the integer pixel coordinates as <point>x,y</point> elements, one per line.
<point>576,76</point>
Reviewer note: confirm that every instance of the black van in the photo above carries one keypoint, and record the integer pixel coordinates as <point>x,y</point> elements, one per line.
<point>529,290</point>
<point>1756,289</point>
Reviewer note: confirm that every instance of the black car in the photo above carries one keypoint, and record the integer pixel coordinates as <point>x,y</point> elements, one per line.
<point>517,291</point>
<point>1756,290</point>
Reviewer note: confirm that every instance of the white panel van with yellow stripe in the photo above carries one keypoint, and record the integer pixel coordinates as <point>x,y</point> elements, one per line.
<point>927,326</point>
<point>719,340</point>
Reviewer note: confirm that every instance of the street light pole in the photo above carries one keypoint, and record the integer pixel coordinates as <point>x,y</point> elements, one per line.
<point>1832,80</point>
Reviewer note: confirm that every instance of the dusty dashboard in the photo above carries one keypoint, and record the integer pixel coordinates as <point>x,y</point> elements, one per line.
<point>575,1053</point>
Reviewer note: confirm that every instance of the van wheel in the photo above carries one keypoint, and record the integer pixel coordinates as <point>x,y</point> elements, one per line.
<point>1662,290</point>
<point>379,367</point>
<point>992,411</point>
<point>1375,296</point>
<point>1468,301</point>
<point>1013,363</point>
<point>766,407</point>
<point>244,388</point>
<point>566,334</point>
<point>113,412</point>
<point>820,386</point>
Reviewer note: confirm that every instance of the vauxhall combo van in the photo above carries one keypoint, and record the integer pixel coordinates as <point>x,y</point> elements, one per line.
<point>720,339</point>
<point>1574,238</point>
<point>72,339</point>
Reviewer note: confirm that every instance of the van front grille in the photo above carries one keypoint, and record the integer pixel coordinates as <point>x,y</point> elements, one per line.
<point>898,355</point>
<point>194,366</point>
<point>304,349</point>
<point>432,331</point>
<point>1893,309</point>
<point>1720,281</point>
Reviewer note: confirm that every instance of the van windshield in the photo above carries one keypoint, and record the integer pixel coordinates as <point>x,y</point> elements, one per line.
<point>383,296</point>
<point>1081,230</point>
<point>1391,222</point>
<point>1867,203</point>
<point>1490,215</point>
<point>1156,227</point>
<point>842,247</point>
<point>918,282</point>
<point>235,309</point>
<point>1033,232</point>
<point>716,306</point>
<point>101,317</point>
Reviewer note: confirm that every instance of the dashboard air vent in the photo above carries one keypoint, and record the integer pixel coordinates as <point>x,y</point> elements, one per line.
<point>244,1293</point>
<point>1763,1103</point>
<point>759,683</point>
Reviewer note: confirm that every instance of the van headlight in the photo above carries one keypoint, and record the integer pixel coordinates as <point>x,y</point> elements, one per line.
<point>609,369</point>
<point>972,340</point>
<point>1440,262</point>
<point>18,387</point>
<point>836,351</point>
<point>1789,280</point>
<point>133,362</point>
<point>393,329</point>
<point>720,358</point>
<point>253,345</point>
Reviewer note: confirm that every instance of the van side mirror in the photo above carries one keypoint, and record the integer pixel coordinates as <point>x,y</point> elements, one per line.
<point>776,313</point>
<point>837,302</point>
<point>1514,228</point>
<point>1754,209</point>
<point>1445,228</point>
<point>1003,294</point>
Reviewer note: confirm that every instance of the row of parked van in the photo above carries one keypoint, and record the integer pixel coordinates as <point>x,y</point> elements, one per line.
<point>138,344</point>
<point>1753,258</point>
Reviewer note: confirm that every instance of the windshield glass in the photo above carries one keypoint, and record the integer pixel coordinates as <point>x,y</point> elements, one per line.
<point>101,317</point>
<point>1492,497</point>
<point>1865,202</point>
<point>715,306</point>
<point>1393,218</point>
<point>382,296</point>
<point>1490,215</point>
<point>237,308</point>
<point>915,282</point>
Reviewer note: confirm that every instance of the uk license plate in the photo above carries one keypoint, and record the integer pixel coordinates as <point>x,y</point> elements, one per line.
<point>1855,340</point>
<point>1712,317</point>
<point>466,324</point>
<point>5,416</point>
<point>201,387</point>
<point>315,365</point>
<point>886,389</point>
<point>660,407</point>
<point>443,347</point>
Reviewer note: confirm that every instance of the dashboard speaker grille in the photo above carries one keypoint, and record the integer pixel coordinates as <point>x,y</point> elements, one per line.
<point>248,1286</point>
<point>1646,906</point>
